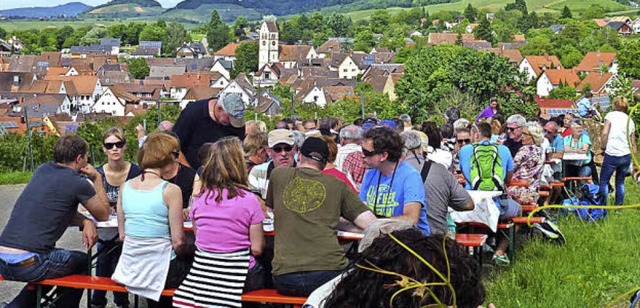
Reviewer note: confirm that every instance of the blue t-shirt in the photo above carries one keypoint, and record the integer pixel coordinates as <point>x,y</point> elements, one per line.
<point>407,187</point>
<point>557,144</point>
<point>583,107</point>
<point>465,160</point>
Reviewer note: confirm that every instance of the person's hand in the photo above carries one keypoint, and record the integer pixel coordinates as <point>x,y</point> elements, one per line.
<point>89,234</point>
<point>185,214</point>
<point>90,171</point>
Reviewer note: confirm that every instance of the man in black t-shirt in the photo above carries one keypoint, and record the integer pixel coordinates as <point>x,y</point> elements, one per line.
<point>42,213</point>
<point>207,121</point>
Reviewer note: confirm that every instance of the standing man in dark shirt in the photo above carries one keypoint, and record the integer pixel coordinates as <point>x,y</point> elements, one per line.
<point>515,123</point>
<point>44,210</point>
<point>207,121</point>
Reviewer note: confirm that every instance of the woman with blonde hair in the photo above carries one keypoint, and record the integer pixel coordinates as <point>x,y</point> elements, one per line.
<point>618,141</point>
<point>528,165</point>
<point>150,224</point>
<point>227,221</point>
<point>114,173</point>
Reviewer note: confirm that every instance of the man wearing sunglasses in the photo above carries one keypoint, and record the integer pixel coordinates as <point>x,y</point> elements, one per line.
<point>207,121</point>
<point>515,123</point>
<point>281,151</point>
<point>556,147</point>
<point>391,187</point>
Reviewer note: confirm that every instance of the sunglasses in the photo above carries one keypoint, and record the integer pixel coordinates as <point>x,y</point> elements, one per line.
<point>463,141</point>
<point>368,153</point>
<point>175,154</point>
<point>510,129</point>
<point>287,148</point>
<point>110,145</point>
<point>548,132</point>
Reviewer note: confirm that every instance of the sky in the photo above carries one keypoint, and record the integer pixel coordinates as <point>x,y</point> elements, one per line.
<point>6,4</point>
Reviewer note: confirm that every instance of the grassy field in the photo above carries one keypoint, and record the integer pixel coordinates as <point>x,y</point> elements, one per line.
<point>15,177</point>
<point>598,264</point>
<point>494,5</point>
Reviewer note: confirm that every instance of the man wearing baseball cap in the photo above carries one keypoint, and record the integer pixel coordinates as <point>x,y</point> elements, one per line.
<point>207,121</point>
<point>281,151</point>
<point>308,205</point>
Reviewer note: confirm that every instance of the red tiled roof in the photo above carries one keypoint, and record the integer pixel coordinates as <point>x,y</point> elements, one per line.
<point>594,59</point>
<point>566,76</point>
<point>546,61</point>
<point>549,103</point>
<point>229,50</point>
<point>596,81</point>
<point>448,38</point>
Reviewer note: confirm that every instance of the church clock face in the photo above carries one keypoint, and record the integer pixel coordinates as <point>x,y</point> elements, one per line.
<point>273,43</point>
<point>264,43</point>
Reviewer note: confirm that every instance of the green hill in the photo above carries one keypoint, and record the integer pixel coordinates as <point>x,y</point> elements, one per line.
<point>125,8</point>
<point>540,6</point>
<point>228,13</point>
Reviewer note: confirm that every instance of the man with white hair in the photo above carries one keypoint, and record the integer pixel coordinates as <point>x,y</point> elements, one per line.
<point>515,123</point>
<point>208,120</point>
<point>350,142</point>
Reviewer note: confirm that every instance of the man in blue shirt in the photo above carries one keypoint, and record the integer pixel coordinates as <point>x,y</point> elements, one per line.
<point>556,147</point>
<point>392,188</point>
<point>481,134</point>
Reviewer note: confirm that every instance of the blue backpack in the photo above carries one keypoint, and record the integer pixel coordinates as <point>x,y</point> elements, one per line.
<point>591,196</point>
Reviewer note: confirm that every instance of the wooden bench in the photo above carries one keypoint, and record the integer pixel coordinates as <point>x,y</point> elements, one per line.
<point>506,228</point>
<point>86,282</point>
<point>272,296</point>
<point>475,241</point>
<point>528,208</point>
<point>107,284</point>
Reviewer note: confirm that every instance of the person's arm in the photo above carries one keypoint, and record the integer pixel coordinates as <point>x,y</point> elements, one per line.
<point>605,135</point>
<point>411,212</point>
<point>121,217</point>
<point>256,237</point>
<point>98,205</point>
<point>363,220</point>
<point>172,196</point>
<point>89,231</point>
<point>459,198</point>
<point>507,178</point>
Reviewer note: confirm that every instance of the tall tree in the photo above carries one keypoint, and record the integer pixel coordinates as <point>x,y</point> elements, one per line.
<point>238,26</point>
<point>175,35</point>
<point>152,32</point>
<point>470,13</point>
<point>483,31</point>
<point>566,13</point>
<point>628,59</point>
<point>217,32</point>
<point>432,72</point>
<point>3,33</point>
<point>247,58</point>
<point>138,68</point>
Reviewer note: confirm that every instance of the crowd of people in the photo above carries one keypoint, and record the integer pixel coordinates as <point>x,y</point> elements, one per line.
<point>300,182</point>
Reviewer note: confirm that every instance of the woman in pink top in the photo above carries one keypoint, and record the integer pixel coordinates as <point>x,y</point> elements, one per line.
<point>227,221</point>
<point>330,168</point>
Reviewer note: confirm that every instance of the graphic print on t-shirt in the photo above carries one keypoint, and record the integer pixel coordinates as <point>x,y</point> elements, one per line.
<point>386,203</point>
<point>302,195</point>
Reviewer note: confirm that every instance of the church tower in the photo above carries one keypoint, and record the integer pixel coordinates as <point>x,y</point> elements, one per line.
<point>269,36</point>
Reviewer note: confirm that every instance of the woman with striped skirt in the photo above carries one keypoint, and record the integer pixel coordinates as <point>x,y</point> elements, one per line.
<point>227,221</point>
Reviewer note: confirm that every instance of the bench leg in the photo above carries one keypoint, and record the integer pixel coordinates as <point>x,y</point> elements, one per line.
<point>136,302</point>
<point>38,296</point>
<point>512,244</point>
